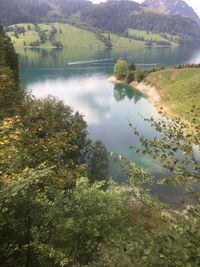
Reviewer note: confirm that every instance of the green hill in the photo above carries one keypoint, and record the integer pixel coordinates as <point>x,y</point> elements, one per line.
<point>64,35</point>
<point>119,41</point>
<point>179,89</point>
<point>56,34</point>
<point>155,38</point>
<point>112,16</point>
<point>68,36</point>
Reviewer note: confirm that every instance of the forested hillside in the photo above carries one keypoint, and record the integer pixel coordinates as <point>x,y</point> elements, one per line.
<point>10,92</point>
<point>16,11</point>
<point>174,8</point>
<point>114,16</point>
<point>120,15</point>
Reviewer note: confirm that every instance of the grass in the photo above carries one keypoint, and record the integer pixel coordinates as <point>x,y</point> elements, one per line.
<point>118,41</point>
<point>72,37</point>
<point>69,36</point>
<point>179,89</point>
<point>149,36</point>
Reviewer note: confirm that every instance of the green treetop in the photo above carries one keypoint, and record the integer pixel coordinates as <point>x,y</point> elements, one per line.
<point>121,69</point>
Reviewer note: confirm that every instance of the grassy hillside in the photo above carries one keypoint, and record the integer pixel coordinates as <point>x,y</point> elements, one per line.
<point>111,16</point>
<point>153,37</point>
<point>118,41</point>
<point>146,35</point>
<point>65,35</point>
<point>179,88</point>
<point>147,9</point>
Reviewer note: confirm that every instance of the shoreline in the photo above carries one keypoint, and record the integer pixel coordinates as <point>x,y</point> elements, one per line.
<point>150,91</point>
<point>90,46</point>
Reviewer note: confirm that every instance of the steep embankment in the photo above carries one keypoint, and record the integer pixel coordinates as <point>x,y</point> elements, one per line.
<point>179,89</point>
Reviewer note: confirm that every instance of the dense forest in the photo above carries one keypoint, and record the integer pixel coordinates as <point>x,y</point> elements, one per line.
<point>16,11</point>
<point>57,205</point>
<point>117,16</point>
<point>114,16</point>
<point>11,94</point>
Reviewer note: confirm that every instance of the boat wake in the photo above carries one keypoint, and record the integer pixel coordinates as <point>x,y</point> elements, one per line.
<point>89,61</point>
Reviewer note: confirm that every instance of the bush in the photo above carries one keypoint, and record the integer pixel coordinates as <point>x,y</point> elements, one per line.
<point>57,44</point>
<point>121,69</point>
<point>130,76</point>
<point>132,67</point>
<point>35,43</point>
<point>139,75</point>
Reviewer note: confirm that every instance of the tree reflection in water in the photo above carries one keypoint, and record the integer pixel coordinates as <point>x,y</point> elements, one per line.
<point>121,91</point>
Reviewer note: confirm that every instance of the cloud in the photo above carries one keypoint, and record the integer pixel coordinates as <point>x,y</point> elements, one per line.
<point>90,95</point>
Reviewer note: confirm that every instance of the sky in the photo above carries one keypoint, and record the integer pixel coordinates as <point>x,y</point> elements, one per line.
<point>195,4</point>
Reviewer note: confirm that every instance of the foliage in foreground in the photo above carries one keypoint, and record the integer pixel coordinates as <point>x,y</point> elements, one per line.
<point>41,225</point>
<point>11,94</point>
<point>177,148</point>
<point>51,215</point>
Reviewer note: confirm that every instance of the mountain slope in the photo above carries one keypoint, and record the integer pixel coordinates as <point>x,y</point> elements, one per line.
<point>35,11</point>
<point>79,38</point>
<point>112,16</point>
<point>118,16</point>
<point>16,11</point>
<point>173,7</point>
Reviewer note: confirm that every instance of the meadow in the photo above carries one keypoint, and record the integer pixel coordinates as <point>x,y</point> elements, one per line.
<point>179,89</point>
<point>67,35</point>
<point>153,37</point>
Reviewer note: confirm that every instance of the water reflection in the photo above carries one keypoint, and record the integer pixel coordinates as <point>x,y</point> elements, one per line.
<point>107,108</point>
<point>195,57</point>
<point>121,91</point>
<point>59,57</point>
<point>91,96</point>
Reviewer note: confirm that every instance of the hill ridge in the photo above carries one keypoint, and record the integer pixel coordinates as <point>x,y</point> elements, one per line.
<point>174,7</point>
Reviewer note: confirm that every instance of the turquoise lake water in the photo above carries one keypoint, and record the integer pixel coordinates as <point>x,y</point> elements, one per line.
<point>107,108</point>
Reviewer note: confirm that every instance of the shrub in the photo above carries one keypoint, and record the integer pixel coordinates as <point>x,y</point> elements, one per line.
<point>57,44</point>
<point>130,76</point>
<point>121,69</point>
<point>139,75</point>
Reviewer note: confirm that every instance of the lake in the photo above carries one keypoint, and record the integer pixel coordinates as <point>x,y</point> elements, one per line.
<point>107,108</point>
